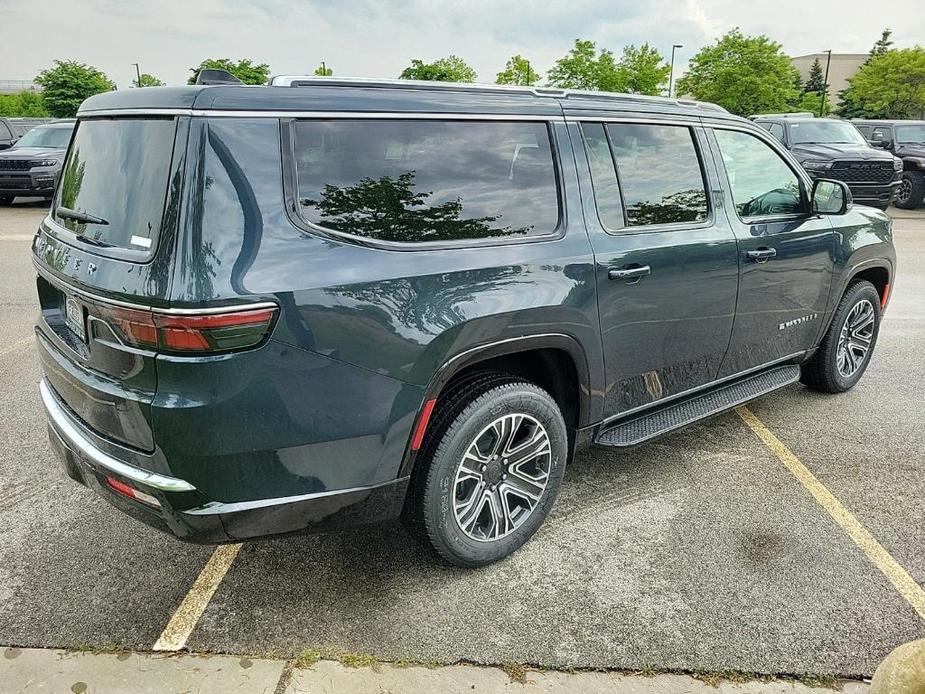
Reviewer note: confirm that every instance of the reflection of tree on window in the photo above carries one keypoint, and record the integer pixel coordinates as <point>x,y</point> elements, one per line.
<point>683,206</point>
<point>390,209</point>
<point>71,181</point>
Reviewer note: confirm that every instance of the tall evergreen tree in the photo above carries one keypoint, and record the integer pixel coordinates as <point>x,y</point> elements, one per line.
<point>849,105</point>
<point>815,84</point>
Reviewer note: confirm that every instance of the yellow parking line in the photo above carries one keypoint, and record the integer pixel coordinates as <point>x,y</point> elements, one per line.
<point>896,574</point>
<point>184,620</point>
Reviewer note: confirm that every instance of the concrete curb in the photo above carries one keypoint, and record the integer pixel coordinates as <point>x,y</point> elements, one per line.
<point>28,670</point>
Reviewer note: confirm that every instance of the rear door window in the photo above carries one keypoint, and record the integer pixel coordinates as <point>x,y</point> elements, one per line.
<point>116,171</point>
<point>660,173</point>
<point>423,181</point>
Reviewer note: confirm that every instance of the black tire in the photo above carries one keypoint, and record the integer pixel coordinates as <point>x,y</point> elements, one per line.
<point>6,200</point>
<point>830,370</point>
<point>911,191</point>
<point>464,420</point>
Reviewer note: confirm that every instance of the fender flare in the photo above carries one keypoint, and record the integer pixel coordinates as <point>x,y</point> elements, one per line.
<point>515,345</point>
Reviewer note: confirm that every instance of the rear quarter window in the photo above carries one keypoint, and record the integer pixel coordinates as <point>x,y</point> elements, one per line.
<point>117,170</point>
<point>417,181</point>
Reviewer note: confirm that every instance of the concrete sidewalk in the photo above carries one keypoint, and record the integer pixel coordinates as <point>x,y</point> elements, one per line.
<point>26,670</point>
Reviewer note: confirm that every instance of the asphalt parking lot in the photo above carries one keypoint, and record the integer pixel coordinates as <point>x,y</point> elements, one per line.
<point>700,551</point>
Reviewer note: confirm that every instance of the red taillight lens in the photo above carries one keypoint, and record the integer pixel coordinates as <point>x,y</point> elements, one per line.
<point>214,332</point>
<point>132,493</point>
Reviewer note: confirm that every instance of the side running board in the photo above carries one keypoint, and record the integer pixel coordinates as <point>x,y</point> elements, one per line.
<point>641,427</point>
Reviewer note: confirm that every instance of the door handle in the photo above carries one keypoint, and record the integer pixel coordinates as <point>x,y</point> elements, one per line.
<point>761,255</point>
<point>629,273</point>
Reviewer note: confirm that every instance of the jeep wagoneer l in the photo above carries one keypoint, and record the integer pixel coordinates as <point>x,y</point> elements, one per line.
<point>325,302</point>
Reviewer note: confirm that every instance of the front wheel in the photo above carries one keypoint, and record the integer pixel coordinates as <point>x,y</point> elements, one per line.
<point>494,467</point>
<point>6,200</point>
<point>846,349</point>
<point>911,191</point>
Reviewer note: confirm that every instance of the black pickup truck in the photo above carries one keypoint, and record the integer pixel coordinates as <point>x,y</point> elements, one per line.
<point>833,148</point>
<point>904,139</point>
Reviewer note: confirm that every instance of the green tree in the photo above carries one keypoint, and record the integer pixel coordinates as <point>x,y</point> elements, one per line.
<point>815,83</point>
<point>645,70</point>
<point>244,70</point>
<point>892,84</point>
<point>744,74</point>
<point>584,68</point>
<point>324,71</point>
<point>849,105</point>
<point>67,83</point>
<point>811,102</point>
<point>449,69</point>
<point>27,103</point>
<point>518,71</point>
<point>147,80</point>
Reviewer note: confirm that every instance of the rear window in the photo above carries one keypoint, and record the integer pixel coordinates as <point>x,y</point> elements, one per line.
<point>117,171</point>
<point>660,173</point>
<point>419,181</point>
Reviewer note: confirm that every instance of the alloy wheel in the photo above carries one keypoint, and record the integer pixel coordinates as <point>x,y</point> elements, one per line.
<point>502,477</point>
<point>855,338</point>
<point>905,191</point>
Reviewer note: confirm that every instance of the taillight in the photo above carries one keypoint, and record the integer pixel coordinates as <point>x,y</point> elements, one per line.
<point>130,491</point>
<point>186,334</point>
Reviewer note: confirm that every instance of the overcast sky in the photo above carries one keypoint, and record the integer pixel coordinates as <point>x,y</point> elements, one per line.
<point>377,38</point>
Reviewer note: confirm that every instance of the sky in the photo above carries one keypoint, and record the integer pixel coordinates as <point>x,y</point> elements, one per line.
<point>378,38</point>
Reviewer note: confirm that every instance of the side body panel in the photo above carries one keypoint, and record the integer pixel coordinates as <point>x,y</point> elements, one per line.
<point>782,301</point>
<point>668,332</point>
<point>330,401</point>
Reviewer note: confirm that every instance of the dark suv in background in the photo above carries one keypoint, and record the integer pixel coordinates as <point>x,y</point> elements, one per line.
<point>269,309</point>
<point>31,167</point>
<point>833,148</point>
<point>904,139</point>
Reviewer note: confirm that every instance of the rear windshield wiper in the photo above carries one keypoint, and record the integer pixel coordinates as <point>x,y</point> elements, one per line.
<point>68,213</point>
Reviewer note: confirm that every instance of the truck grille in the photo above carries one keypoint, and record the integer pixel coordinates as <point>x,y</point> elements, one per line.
<point>863,171</point>
<point>15,164</point>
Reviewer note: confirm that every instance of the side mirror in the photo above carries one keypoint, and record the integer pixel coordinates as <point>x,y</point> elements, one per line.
<point>830,197</point>
<point>882,144</point>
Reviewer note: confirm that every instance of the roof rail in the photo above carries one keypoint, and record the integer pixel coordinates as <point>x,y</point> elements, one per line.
<point>796,114</point>
<point>554,92</point>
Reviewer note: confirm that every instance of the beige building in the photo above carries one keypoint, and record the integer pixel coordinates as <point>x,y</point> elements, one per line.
<point>843,66</point>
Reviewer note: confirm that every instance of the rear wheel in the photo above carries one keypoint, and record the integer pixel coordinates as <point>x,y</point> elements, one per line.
<point>491,470</point>
<point>911,191</point>
<point>846,349</point>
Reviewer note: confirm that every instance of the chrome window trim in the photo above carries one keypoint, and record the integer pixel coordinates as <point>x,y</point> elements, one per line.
<point>96,298</point>
<point>62,422</point>
<point>412,115</point>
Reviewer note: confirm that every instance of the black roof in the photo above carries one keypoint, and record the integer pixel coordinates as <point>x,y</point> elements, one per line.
<point>328,94</point>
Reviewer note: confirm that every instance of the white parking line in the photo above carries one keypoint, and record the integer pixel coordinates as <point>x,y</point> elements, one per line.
<point>184,620</point>
<point>879,557</point>
<point>17,237</point>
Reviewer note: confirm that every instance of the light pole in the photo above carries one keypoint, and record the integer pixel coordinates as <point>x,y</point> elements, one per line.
<point>137,74</point>
<point>825,81</point>
<point>671,73</point>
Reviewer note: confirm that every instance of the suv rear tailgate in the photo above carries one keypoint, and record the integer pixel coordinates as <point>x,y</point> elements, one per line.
<point>124,173</point>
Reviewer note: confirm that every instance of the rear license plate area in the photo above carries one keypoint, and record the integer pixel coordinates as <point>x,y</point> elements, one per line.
<point>74,317</point>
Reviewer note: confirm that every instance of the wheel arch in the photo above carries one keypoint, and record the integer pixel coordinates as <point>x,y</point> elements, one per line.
<point>554,361</point>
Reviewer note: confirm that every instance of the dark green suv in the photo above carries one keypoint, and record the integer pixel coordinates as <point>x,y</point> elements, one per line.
<point>327,302</point>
